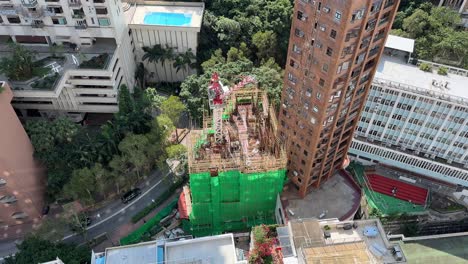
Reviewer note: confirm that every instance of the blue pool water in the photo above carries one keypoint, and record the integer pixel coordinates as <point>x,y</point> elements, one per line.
<point>167,19</point>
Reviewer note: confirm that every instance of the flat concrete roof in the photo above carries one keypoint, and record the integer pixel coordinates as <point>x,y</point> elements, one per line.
<point>308,235</point>
<point>397,70</point>
<point>213,249</point>
<point>142,253</point>
<point>140,11</point>
<point>453,250</point>
<point>336,197</point>
<point>400,43</point>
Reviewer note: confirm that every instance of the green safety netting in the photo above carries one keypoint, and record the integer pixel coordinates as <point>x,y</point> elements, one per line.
<point>233,200</point>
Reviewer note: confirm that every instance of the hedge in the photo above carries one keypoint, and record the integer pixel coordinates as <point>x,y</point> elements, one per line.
<point>164,196</point>
<point>150,228</point>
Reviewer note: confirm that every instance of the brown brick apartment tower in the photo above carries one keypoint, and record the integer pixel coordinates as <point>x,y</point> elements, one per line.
<point>334,48</point>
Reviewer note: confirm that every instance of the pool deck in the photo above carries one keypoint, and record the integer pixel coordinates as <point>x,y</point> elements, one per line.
<point>139,12</point>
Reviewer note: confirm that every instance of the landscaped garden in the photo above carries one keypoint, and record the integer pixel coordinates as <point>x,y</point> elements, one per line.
<point>96,62</point>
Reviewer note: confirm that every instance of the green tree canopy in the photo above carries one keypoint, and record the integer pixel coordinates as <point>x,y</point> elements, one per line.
<point>173,108</point>
<point>175,151</point>
<point>36,250</point>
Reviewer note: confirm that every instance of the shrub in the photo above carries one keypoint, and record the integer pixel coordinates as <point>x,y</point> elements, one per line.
<point>425,67</point>
<point>327,227</point>
<point>442,70</point>
<point>157,202</point>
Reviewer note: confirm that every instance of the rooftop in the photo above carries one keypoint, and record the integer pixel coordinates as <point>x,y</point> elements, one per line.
<point>136,14</point>
<point>212,249</point>
<point>392,67</point>
<point>400,43</point>
<point>436,250</point>
<point>339,189</point>
<point>332,241</point>
<point>50,66</point>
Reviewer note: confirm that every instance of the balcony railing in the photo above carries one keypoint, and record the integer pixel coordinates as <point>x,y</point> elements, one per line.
<point>78,15</point>
<point>37,25</point>
<point>74,3</point>
<point>29,3</point>
<point>81,25</point>
<point>8,10</point>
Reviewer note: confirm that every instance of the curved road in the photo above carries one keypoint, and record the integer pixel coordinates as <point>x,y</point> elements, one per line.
<point>111,217</point>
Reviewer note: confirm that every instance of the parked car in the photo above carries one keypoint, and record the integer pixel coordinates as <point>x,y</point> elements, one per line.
<point>130,195</point>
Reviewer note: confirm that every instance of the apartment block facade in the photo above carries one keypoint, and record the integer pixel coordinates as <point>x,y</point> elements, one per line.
<point>85,45</point>
<point>22,181</point>
<point>89,49</point>
<point>416,121</point>
<point>333,52</point>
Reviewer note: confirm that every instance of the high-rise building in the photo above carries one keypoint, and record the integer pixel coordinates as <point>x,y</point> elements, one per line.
<point>22,181</point>
<point>333,52</point>
<point>415,120</point>
<point>85,50</point>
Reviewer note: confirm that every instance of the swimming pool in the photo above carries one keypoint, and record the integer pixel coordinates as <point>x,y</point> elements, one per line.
<point>167,19</point>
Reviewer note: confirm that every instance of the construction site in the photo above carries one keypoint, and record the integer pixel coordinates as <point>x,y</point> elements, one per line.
<point>237,165</point>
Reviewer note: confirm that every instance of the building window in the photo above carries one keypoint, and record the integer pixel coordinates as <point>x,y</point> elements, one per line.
<point>326,9</point>
<point>59,21</point>
<point>14,20</point>
<point>101,11</point>
<point>313,120</point>
<point>301,16</point>
<point>308,92</point>
<point>333,34</point>
<point>322,82</point>
<point>338,15</point>
<point>299,33</point>
<point>316,109</point>
<point>325,67</point>
<point>296,49</point>
<point>104,22</point>
<point>329,51</point>
<point>19,215</point>
<point>319,95</point>
<point>322,28</point>
<point>8,199</point>
<point>2,182</point>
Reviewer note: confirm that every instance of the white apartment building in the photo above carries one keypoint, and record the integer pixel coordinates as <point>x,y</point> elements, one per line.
<point>87,50</point>
<point>415,120</point>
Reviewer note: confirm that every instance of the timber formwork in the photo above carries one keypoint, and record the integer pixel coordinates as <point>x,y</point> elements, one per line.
<point>235,184</point>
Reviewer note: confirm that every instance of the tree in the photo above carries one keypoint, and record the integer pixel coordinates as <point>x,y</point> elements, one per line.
<point>82,186</point>
<point>119,171</point>
<point>36,250</point>
<point>265,43</point>
<point>154,55</point>
<point>51,229</point>
<point>235,54</point>
<point>228,30</point>
<point>20,65</point>
<point>173,108</point>
<point>134,150</point>
<point>140,75</point>
<point>125,101</point>
<point>166,125</point>
<point>216,58</point>
<point>184,61</point>
<point>175,151</point>
<point>155,100</point>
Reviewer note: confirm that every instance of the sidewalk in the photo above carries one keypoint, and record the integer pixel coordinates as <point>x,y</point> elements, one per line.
<point>128,228</point>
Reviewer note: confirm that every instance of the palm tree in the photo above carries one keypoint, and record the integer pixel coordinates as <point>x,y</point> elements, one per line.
<point>184,61</point>
<point>154,54</point>
<point>140,75</point>
<point>167,55</point>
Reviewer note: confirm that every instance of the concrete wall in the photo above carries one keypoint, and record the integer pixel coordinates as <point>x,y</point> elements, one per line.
<point>24,177</point>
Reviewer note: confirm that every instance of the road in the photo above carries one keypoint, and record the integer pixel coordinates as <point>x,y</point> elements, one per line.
<point>113,215</point>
